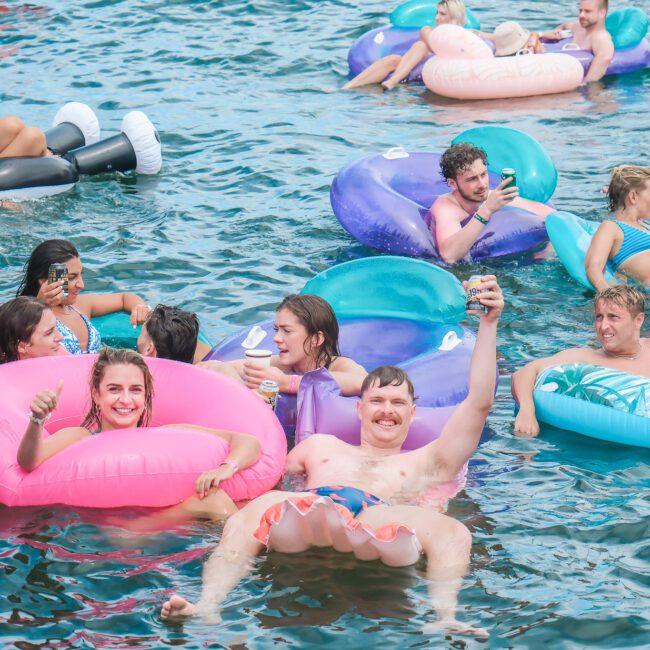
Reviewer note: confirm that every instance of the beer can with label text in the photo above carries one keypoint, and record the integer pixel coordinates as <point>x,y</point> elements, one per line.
<point>472,304</point>
<point>269,390</point>
<point>508,172</point>
<point>58,271</point>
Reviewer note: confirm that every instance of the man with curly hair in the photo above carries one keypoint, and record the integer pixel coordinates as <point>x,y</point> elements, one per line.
<point>464,167</point>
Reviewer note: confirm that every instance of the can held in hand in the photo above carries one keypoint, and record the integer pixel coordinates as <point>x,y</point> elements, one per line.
<point>508,172</point>
<point>472,304</point>
<point>566,33</point>
<point>58,271</point>
<point>269,390</point>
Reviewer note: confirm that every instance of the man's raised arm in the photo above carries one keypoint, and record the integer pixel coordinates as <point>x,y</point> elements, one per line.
<point>460,436</point>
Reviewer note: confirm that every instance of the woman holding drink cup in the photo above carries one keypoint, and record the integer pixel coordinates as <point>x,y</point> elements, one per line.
<point>306,334</point>
<point>53,274</point>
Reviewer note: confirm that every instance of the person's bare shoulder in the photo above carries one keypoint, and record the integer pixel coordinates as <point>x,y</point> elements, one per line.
<point>445,207</point>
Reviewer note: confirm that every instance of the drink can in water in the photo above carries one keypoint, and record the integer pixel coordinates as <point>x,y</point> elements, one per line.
<point>472,304</point>
<point>269,390</point>
<point>58,271</point>
<point>507,172</point>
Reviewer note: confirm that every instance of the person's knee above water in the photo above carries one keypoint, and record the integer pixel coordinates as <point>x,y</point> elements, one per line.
<point>72,309</point>
<point>589,33</point>
<point>464,167</point>
<point>28,330</point>
<point>624,241</point>
<point>375,482</point>
<point>121,395</point>
<point>173,333</point>
<point>618,318</point>
<point>448,12</point>
<point>16,139</point>
<point>307,337</point>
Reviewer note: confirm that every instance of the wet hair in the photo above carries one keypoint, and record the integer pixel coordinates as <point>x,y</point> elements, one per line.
<point>460,157</point>
<point>388,376</point>
<point>174,332</point>
<point>46,253</point>
<point>456,10</point>
<point>626,296</point>
<point>603,4</point>
<point>625,179</point>
<point>114,357</point>
<point>316,315</point>
<point>18,320</point>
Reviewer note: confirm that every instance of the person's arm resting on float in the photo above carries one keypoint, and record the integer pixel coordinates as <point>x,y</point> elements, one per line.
<point>599,251</point>
<point>603,49</point>
<point>523,384</point>
<point>348,374</point>
<point>33,449</point>
<point>245,450</point>
<point>99,304</point>
<point>462,432</point>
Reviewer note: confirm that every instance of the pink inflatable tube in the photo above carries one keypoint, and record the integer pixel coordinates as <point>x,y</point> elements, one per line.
<point>149,466</point>
<point>464,68</point>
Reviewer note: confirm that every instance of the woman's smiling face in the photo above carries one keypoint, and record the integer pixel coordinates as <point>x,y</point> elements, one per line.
<point>120,398</point>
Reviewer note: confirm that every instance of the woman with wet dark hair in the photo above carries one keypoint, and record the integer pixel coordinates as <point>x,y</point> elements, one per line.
<point>72,310</point>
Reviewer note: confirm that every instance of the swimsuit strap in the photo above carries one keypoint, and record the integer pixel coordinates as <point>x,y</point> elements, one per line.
<point>635,241</point>
<point>71,342</point>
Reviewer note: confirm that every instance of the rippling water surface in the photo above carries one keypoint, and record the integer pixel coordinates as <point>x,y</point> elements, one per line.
<point>245,95</point>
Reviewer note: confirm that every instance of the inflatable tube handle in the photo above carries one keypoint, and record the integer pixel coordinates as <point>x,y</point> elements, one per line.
<point>394,153</point>
<point>449,341</point>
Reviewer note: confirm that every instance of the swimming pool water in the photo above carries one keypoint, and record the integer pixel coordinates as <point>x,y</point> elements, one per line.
<point>254,127</point>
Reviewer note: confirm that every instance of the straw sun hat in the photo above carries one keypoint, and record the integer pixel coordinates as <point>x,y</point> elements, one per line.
<point>510,37</point>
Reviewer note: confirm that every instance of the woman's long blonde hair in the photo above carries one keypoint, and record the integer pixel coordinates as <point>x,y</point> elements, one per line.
<point>112,357</point>
<point>456,10</point>
<point>625,179</point>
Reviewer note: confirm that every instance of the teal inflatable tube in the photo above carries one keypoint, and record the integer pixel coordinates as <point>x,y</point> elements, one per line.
<point>595,401</point>
<point>117,332</point>
<point>505,147</point>
<point>415,14</point>
<point>627,27</point>
<point>391,287</point>
<point>571,237</point>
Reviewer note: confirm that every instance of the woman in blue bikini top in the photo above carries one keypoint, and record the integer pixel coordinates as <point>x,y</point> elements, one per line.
<point>72,310</point>
<point>624,242</point>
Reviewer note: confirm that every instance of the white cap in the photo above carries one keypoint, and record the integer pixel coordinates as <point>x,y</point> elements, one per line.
<point>142,135</point>
<point>83,117</point>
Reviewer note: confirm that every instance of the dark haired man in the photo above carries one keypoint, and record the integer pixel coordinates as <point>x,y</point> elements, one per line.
<point>373,484</point>
<point>173,333</point>
<point>618,317</point>
<point>589,33</point>
<point>464,167</point>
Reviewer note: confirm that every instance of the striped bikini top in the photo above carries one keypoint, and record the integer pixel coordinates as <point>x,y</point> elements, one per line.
<point>634,241</point>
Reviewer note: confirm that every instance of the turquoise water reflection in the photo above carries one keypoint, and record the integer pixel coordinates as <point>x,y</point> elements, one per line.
<point>253,126</point>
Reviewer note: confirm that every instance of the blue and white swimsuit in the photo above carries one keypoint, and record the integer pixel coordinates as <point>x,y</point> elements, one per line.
<point>71,342</point>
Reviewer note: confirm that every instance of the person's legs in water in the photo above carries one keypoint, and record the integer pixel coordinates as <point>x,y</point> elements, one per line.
<point>376,72</point>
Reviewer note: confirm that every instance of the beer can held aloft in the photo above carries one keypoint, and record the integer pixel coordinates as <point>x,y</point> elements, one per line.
<point>508,172</point>
<point>472,304</point>
<point>58,271</point>
<point>269,390</point>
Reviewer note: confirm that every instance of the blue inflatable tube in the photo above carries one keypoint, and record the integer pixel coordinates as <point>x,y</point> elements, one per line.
<point>571,237</point>
<point>117,332</point>
<point>390,310</point>
<point>595,401</point>
<point>383,200</point>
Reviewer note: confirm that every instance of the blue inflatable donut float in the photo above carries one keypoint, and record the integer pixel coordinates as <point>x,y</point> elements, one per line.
<point>595,401</point>
<point>398,37</point>
<point>390,310</point>
<point>571,237</point>
<point>628,28</point>
<point>383,201</point>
